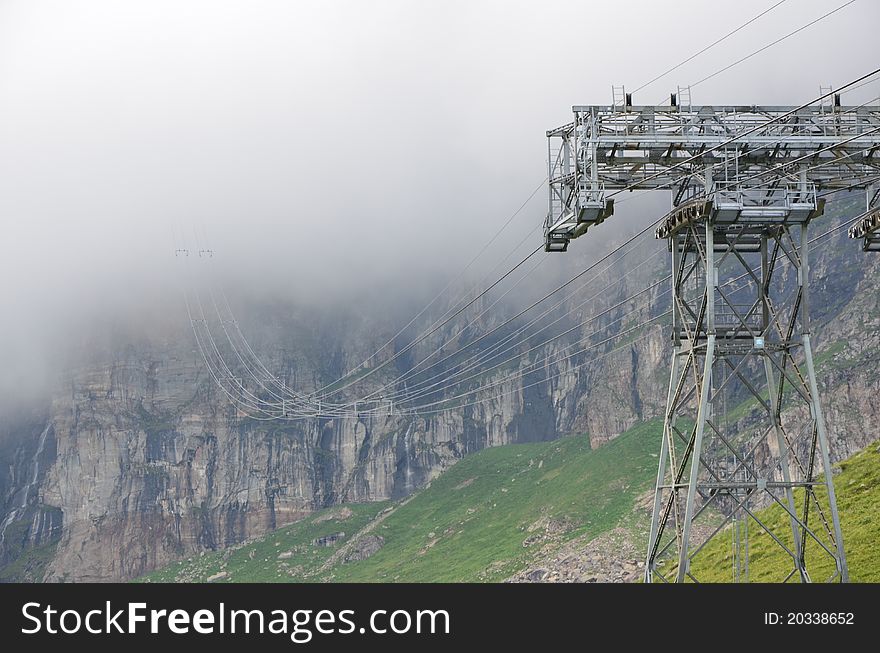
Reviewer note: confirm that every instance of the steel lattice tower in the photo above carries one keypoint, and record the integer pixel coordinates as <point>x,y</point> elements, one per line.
<point>710,469</point>
<point>743,426</point>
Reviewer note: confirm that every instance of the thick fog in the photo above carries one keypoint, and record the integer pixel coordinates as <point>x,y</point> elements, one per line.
<point>326,149</point>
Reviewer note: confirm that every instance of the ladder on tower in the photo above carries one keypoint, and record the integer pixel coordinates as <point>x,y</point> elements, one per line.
<point>620,99</point>
<point>683,95</point>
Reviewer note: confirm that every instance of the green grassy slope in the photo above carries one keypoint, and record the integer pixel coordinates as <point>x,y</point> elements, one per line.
<point>470,524</point>
<point>264,560</point>
<point>482,520</point>
<point>858,499</point>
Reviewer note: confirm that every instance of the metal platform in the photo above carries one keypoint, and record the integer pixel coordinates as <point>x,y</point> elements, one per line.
<point>591,210</point>
<point>787,204</point>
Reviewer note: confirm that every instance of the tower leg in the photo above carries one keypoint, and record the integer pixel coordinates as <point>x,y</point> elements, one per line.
<point>842,568</point>
<point>702,415</point>
<point>786,472</point>
<point>816,406</point>
<point>654,533</point>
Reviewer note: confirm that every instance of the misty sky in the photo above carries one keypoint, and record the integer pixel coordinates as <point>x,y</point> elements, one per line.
<point>330,145</point>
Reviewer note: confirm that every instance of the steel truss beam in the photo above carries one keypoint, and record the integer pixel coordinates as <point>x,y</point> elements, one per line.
<point>608,148</point>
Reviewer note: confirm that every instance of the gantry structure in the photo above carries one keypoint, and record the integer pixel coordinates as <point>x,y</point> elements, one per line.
<point>743,426</point>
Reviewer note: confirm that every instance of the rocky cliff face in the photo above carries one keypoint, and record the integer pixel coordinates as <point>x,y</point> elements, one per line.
<point>138,458</point>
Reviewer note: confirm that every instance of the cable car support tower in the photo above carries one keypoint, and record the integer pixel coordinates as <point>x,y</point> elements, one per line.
<point>746,185</point>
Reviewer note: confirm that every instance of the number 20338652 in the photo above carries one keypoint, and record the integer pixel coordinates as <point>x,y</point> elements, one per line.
<point>809,618</point>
